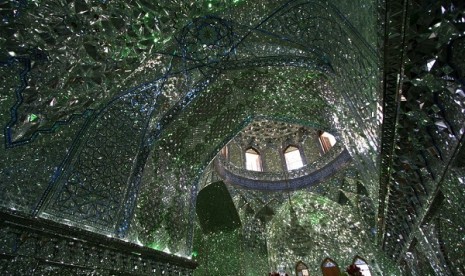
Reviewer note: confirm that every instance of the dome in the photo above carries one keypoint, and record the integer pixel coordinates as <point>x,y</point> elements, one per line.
<point>225,137</point>
<point>277,155</point>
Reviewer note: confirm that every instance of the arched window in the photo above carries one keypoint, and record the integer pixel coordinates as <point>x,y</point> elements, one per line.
<point>330,268</point>
<point>293,158</point>
<point>253,161</point>
<point>225,152</point>
<point>327,141</point>
<point>362,264</point>
<point>301,269</point>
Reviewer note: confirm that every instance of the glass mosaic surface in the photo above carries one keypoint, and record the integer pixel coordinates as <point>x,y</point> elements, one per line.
<point>112,112</point>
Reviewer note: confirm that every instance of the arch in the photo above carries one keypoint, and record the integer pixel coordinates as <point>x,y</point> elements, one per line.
<point>301,269</point>
<point>225,152</point>
<point>149,117</point>
<point>362,264</point>
<point>253,160</point>
<point>330,268</point>
<point>293,157</point>
<point>327,140</point>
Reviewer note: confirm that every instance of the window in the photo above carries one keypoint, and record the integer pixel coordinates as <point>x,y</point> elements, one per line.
<point>330,268</point>
<point>360,263</point>
<point>293,158</point>
<point>224,151</point>
<point>327,141</point>
<point>253,161</point>
<point>301,269</point>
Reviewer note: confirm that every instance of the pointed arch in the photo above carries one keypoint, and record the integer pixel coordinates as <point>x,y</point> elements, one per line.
<point>327,140</point>
<point>330,268</point>
<point>293,157</point>
<point>253,160</point>
<point>362,264</point>
<point>301,269</point>
<point>225,152</point>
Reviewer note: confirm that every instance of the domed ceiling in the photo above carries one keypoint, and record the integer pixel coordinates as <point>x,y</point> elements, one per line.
<point>115,94</point>
<point>239,98</point>
<point>270,139</point>
<point>113,110</point>
<point>84,53</point>
<point>273,130</point>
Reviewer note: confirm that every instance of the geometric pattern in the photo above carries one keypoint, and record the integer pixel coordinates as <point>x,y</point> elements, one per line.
<point>98,183</point>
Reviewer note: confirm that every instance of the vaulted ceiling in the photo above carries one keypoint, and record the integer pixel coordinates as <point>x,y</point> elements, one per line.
<point>101,96</point>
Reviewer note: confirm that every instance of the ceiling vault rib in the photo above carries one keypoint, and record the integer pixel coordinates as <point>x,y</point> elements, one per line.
<point>395,20</point>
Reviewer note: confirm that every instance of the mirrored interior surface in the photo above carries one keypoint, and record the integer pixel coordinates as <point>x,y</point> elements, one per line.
<point>232,137</point>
